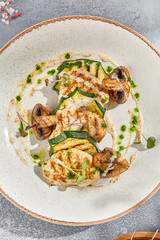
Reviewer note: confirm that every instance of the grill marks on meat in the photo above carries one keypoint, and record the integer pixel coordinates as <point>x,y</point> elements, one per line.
<point>88,84</point>
<point>57,173</point>
<point>91,122</point>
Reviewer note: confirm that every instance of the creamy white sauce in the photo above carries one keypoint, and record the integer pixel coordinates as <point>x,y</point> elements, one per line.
<point>114,179</point>
<point>85,54</point>
<point>19,154</point>
<point>105,58</point>
<point>12,140</point>
<point>133,158</point>
<point>111,130</point>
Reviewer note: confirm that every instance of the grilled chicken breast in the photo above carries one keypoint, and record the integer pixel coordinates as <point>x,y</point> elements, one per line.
<point>77,119</point>
<point>86,82</point>
<point>63,168</point>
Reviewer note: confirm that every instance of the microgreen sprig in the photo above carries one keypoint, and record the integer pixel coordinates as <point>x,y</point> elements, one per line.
<point>150,141</point>
<point>81,177</point>
<point>22,131</point>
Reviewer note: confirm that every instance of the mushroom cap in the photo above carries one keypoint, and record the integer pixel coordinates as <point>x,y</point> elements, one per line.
<point>41,133</point>
<point>117,85</point>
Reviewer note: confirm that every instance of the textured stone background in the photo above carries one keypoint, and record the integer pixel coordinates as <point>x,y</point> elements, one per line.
<point>144,17</point>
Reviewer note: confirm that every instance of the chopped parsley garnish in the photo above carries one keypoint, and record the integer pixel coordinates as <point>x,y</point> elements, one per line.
<point>94,171</point>
<point>137,95</point>
<point>39,81</point>
<point>132,129</point>
<point>98,64</point>
<point>110,69</point>
<point>101,168</point>
<point>121,136</point>
<point>69,153</point>
<point>37,67</point>
<point>121,148</point>
<point>87,63</point>
<point>123,128</point>
<point>29,79</point>
<point>104,100</point>
<point>134,120</point>
<point>43,63</point>
<point>51,72</point>
<point>67,56</point>
<point>21,128</point>
<point>84,165</point>
<point>103,125</point>
<point>18,98</point>
<point>35,156</point>
<point>39,164</point>
<point>70,175</point>
<point>119,143</point>
<point>133,85</point>
<point>136,110</point>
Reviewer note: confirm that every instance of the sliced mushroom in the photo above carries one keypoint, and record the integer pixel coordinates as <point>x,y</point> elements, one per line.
<point>118,169</point>
<point>43,122</point>
<point>117,85</point>
<point>102,161</point>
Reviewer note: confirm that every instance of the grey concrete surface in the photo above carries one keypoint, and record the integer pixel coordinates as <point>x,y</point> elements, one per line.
<point>144,17</point>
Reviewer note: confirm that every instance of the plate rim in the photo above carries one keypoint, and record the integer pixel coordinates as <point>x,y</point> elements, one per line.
<point>138,234</point>
<point>60,19</point>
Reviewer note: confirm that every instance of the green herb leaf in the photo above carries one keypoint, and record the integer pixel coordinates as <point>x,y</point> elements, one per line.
<point>136,110</point>
<point>21,128</point>
<point>67,56</point>
<point>37,67</point>
<point>35,156</point>
<point>134,120</point>
<point>98,64</point>
<point>104,100</point>
<point>29,79</point>
<point>151,142</point>
<point>132,129</point>
<point>51,72</point>
<point>110,69</point>
<point>18,98</point>
<point>121,136</point>
<point>121,148</point>
<point>39,81</point>
<point>103,125</point>
<point>69,153</point>
<point>137,95</point>
<point>84,165</point>
<point>81,178</point>
<point>123,128</point>
<point>70,175</point>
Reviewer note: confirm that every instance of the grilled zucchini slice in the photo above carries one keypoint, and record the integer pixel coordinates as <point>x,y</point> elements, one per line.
<point>73,139</point>
<point>78,95</point>
<point>94,67</point>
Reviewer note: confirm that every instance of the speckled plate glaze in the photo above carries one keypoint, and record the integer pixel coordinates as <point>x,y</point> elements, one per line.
<point>139,236</point>
<point>19,183</point>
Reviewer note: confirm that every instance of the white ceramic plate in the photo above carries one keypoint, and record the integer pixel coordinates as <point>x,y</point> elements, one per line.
<point>47,40</point>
